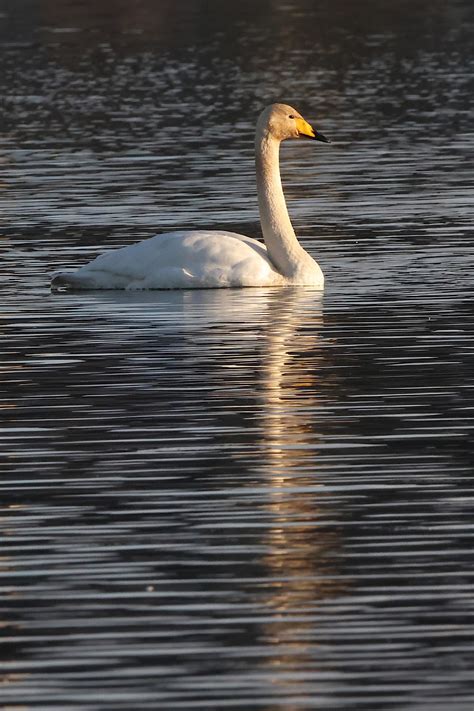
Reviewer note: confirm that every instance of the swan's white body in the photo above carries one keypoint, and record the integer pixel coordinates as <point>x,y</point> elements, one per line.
<point>181,260</point>
<point>214,259</point>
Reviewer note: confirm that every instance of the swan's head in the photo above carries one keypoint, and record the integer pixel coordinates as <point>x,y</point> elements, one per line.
<point>283,121</point>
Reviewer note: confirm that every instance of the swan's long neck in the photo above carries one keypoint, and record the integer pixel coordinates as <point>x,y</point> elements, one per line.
<point>283,247</point>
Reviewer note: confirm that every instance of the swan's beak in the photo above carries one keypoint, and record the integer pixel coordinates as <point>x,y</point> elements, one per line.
<point>320,137</point>
<point>305,129</point>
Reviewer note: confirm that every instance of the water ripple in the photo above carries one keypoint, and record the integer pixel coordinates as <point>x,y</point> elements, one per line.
<point>238,499</point>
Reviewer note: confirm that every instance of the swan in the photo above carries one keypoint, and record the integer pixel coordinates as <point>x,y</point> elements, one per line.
<point>200,259</point>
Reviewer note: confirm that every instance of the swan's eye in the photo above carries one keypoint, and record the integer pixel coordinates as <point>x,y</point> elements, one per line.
<point>291,116</point>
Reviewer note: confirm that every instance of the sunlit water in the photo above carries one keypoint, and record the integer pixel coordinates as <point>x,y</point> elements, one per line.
<point>256,499</point>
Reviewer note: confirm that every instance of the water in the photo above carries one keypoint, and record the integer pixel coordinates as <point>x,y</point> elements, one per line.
<point>256,499</point>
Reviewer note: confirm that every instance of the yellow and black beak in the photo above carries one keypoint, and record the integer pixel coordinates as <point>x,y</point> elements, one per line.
<point>306,130</point>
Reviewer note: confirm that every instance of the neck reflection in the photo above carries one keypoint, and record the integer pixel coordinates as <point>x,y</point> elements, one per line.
<point>302,549</point>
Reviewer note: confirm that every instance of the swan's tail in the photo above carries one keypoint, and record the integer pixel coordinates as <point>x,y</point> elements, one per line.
<point>70,280</point>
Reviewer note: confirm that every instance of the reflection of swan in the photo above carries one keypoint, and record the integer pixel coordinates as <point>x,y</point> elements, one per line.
<point>201,259</point>
<point>289,386</point>
<point>302,552</point>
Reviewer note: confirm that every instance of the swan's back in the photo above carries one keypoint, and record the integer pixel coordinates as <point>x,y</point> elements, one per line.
<point>178,260</point>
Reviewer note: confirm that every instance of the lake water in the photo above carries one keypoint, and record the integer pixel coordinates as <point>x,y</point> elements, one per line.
<point>243,499</point>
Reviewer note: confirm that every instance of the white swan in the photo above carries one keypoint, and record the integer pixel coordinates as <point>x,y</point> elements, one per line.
<point>204,259</point>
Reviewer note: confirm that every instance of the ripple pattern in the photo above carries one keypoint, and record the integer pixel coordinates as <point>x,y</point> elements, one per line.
<point>256,499</point>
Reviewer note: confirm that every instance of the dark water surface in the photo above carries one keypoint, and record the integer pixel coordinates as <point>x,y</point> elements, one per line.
<point>256,499</point>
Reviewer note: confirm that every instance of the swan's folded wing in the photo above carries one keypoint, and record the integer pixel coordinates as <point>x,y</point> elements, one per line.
<point>178,260</point>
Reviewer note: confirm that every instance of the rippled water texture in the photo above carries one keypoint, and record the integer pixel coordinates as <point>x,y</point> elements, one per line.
<point>254,499</point>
